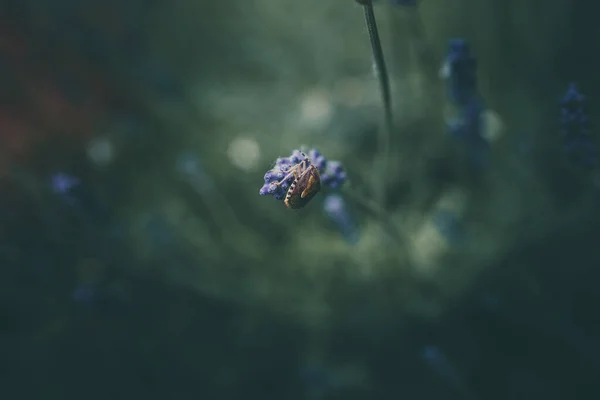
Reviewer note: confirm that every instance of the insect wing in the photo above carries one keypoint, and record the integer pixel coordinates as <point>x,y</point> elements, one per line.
<point>313,185</point>
<point>303,189</point>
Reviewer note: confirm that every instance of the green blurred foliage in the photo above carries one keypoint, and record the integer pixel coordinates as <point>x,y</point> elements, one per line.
<point>273,76</point>
<point>241,83</point>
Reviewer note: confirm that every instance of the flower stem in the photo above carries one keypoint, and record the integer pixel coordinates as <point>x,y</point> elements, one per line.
<point>384,86</point>
<point>378,212</point>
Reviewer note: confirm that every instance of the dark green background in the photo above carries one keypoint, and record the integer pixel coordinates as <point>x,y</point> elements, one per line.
<point>220,293</point>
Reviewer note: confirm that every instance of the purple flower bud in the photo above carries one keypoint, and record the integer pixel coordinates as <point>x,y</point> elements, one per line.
<point>335,208</point>
<point>269,177</point>
<point>286,184</point>
<point>572,96</point>
<point>283,162</point>
<point>84,294</point>
<point>334,175</point>
<point>296,157</point>
<point>320,163</point>
<point>62,183</point>
<point>313,154</point>
<point>335,166</point>
<point>461,72</point>
<point>575,128</point>
<point>264,190</point>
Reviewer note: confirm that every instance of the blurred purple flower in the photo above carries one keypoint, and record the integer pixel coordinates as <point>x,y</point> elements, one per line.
<point>84,294</point>
<point>336,209</point>
<point>62,183</point>
<point>575,128</point>
<point>333,175</point>
<point>460,72</point>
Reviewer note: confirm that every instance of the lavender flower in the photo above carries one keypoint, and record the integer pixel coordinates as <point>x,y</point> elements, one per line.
<point>62,183</point>
<point>459,70</point>
<point>317,159</point>
<point>278,179</point>
<point>335,208</point>
<point>575,128</point>
<point>275,185</point>
<point>84,294</point>
<point>333,175</point>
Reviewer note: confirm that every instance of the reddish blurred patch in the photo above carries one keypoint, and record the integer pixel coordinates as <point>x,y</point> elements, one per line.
<point>14,132</point>
<point>39,108</point>
<point>57,114</point>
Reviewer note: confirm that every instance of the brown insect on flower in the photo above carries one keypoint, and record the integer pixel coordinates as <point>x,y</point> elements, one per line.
<point>306,184</point>
<point>298,178</point>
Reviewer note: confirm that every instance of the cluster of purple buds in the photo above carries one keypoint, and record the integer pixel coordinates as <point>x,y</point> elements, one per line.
<point>575,128</point>
<point>333,175</point>
<point>298,178</point>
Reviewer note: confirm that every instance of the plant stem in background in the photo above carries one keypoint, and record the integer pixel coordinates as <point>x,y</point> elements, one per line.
<point>384,83</point>
<point>376,211</point>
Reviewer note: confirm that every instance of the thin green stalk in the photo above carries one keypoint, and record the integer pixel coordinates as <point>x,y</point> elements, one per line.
<point>384,85</point>
<point>377,212</point>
